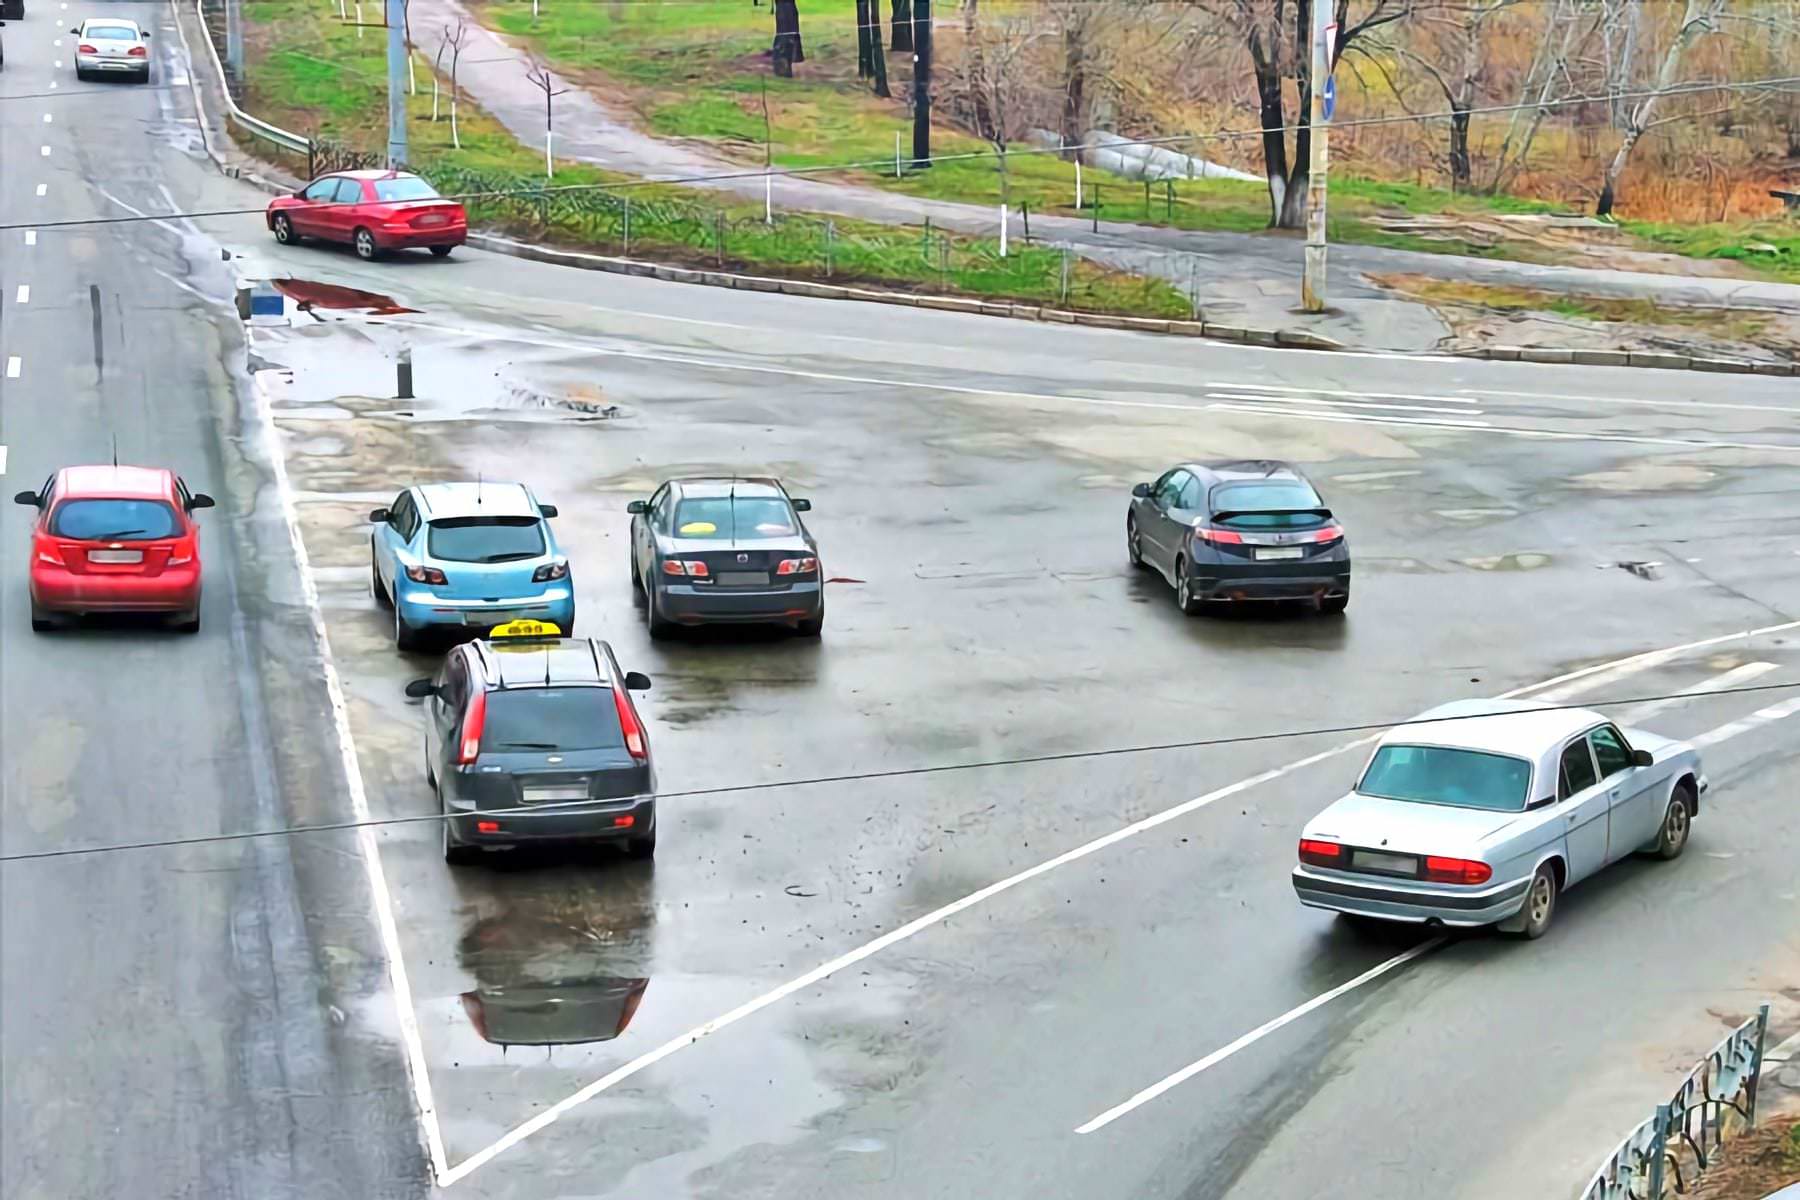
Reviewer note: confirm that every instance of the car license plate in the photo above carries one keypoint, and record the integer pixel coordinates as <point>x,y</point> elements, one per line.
<point>743,579</point>
<point>433,219</point>
<point>115,556</point>
<point>548,795</point>
<point>1267,553</point>
<point>1387,864</point>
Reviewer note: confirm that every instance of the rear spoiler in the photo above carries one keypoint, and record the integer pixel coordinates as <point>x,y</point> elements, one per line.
<point>1227,514</point>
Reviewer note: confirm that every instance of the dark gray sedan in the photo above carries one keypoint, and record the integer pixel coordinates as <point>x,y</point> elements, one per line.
<point>1239,531</point>
<point>725,550</point>
<point>531,737</point>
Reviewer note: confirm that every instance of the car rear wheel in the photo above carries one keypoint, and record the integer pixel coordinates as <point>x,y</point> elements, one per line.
<point>41,621</point>
<point>441,251</point>
<point>659,628</point>
<point>455,853</point>
<point>812,627</point>
<point>1332,605</point>
<point>188,622</point>
<point>1677,823</point>
<point>1540,903</point>
<point>1184,589</point>
<point>406,638</point>
<point>644,847</point>
<point>1134,542</point>
<point>364,241</point>
<point>284,231</point>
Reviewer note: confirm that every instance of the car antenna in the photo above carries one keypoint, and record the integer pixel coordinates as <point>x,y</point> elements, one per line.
<point>115,448</point>
<point>478,489</point>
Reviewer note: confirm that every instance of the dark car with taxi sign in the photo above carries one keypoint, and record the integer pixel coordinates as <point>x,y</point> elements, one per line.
<point>533,737</point>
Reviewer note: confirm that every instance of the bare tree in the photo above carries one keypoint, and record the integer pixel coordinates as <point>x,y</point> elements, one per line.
<point>871,62</point>
<point>545,82</point>
<point>787,48</point>
<point>1451,48</point>
<point>992,83</point>
<point>1565,31</point>
<point>437,67</point>
<point>1698,19</point>
<point>456,37</point>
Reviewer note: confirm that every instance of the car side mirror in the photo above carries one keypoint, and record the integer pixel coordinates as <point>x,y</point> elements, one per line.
<point>146,36</point>
<point>419,689</point>
<point>76,30</point>
<point>1141,491</point>
<point>638,506</point>
<point>803,506</point>
<point>30,498</point>
<point>378,516</point>
<point>549,510</point>
<point>637,681</point>
<point>1642,758</point>
<point>201,500</point>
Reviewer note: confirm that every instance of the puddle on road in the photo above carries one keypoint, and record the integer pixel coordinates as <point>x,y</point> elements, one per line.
<point>308,294</point>
<point>1523,561</point>
<point>559,1012</point>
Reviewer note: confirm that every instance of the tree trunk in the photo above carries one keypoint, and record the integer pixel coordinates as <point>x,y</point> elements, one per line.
<point>921,41</point>
<point>877,57</point>
<point>980,103</point>
<point>1071,125</point>
<point>1614,169</point>
<point>864,67</point>
<point>1265,59</point>
<point>787,49</point>
<point>1459,146</point>
<point>903,33</point>
<point>1697,18</point>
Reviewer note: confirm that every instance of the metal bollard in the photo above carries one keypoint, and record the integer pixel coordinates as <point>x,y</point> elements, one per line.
<point>403,389</point>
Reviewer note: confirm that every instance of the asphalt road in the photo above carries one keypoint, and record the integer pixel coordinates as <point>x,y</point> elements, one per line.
<point>161,1031</point>
<point>969,478</point>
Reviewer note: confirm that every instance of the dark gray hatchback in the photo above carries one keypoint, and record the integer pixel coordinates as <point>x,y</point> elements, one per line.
<point>532,737</point>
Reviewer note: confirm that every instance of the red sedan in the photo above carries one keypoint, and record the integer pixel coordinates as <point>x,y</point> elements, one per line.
<point>374,211</point>
<point>115,540</point>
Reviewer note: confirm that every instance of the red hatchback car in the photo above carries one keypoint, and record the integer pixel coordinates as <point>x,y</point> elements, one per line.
<point>115,540</point>
<point>374,211</point>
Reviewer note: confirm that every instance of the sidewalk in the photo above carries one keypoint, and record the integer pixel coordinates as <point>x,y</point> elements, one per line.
<point>1247,279</point>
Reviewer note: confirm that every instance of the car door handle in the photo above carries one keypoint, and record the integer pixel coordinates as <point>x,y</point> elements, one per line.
<point>1574,817</point>
<point>1615,793</point>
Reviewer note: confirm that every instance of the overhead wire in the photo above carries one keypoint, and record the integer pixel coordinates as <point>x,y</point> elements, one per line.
<point>561,809</point>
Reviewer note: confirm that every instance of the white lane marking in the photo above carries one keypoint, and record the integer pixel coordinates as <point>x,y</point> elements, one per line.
<point>1736,677</point>
<point>47,118</point>
<point>23,295</point>
<point>1256,1035</point>
<point>1607,675</point>
<point>44,151</point>
<point>1595,674</point>
<point>1478,395</point>
<point>31,237</point>
<point>2,460</point>
<point>57,43</point>
<point>1351,404</point>
<point>359,800</point>
<point>53,83</point>
<point>1762,716</point>
<point>13,365</point>
<point>59,64</point>
<point>43,189</point>
<point>1303,390</point>
<point>1269,408</point>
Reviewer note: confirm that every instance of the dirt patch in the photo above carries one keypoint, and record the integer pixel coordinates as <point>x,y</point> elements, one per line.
<point>1756,1164</point>
<point>1566,240</point>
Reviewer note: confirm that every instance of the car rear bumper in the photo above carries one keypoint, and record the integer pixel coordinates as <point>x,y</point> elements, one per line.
<point>175,590</point>
<point>1256,581</point>
<point>421,608</point>
<point>602,820</point>
<point>1404,900</point>
<point>412,238</point>
<point>692,605</point>
<point>123,66</point>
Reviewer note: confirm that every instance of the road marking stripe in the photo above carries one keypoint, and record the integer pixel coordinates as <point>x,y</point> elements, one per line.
<point>2,460</point>
<point>1478,395</point>
<point>31,237</point>
<point>23,295</point>
<point>1270,407</point>
<point>1256,1035</point>
<point>42,188</point>
<point>1762,716</point>
<point>1725,679</point>
<point>1635,400</point>
<point>44,151</point>
<point>1594,675</point>
<point>12,367</point>
<point>46,118</point>
<point>1354,404</point>
<point>1319,391</point>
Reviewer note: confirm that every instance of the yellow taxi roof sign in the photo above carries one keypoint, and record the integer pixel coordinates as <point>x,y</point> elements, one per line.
<point>525,629</point>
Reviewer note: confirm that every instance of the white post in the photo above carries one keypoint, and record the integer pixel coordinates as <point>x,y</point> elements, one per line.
<point>359,24</point>
<point>1078,181</point>
<point>896,154</point>
<point>412,79</point>
<point>342,14</point>
<point>549,163</point>
<point>455,133</point>
<point>1312,280</point>
<point>768,199</point>
<point>434,96</point>
<point>1003,231</point>
<point>534,9</point>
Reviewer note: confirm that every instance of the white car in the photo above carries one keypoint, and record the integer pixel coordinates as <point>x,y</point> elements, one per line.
<point>112,46</point>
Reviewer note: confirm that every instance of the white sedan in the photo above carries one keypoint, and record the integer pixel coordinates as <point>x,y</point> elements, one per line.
<point>112,46</point>
<point>1482,812</point>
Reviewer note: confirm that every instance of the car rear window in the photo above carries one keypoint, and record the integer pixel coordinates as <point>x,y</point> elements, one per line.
<point>552,718</point>
<point>118,32</point>
<point>1268,505</point>
<point>1447,775</point>
<point>115,520</point>
<point>412,188</point>
<point>485,539</point>
<point>723,518</point>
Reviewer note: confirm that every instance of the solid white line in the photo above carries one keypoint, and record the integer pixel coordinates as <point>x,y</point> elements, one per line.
<point>1736,677</point>
<point>1596,672</point>
<point>1302,390</point>
<point>1256,1035</point>
<point>31,237</point>
<point>1316,400</point>
<point>2,460</point>
<point>12,367</point>
<point>359,800</point>
<point>1762,716</point>
<point>1478,395</point>
<point>1268,407</point>
<point>23,295</point>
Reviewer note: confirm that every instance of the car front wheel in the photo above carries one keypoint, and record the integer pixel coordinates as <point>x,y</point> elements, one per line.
<point>1677,824</point>
<point>1134,542</point>
<point>284,231</point>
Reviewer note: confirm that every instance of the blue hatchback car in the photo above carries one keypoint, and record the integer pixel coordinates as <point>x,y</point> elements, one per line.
<point>468,556</point>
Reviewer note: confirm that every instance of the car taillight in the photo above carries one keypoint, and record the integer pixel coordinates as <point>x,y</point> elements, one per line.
<point>629,724</point>
<point>469,749</point>
<point>1222,537</point>
<point>797,566</point>
<point>1456,870</point>
<point>549,571</point>
<point>84,48</point>
<point>46,551</point>
<point>426,575</point>
<point>691,567</point>
<point>138,52</point>
<point>1328,533</point>
<point>1321,854</point>
<point>180,560</point>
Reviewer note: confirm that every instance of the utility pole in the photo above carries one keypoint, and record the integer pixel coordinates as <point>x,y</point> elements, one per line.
<point>234,40</point>
<point>1323,95</point>
<point>921,39</point>
<point>396,65</point>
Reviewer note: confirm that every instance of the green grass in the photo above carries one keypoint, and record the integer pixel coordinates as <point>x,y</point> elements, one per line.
<point>1729,241</point>
<point>1718,322</point>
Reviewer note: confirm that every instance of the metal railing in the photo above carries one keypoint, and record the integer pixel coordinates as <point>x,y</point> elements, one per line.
<point>255,126</point>
<point>1668,1153</point>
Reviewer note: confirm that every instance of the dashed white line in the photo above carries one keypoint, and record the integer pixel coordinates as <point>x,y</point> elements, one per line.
<point>1301,390</point>
<point>47,118</point>
<point>23,295</point>
<point>59,64</point>
<point>1256,1035</point>
<point>57,43</point>
<point>44,151</point>
<point>2,460</point>
<point>1736,677</point>
<point>13,366</point>
<point>1351,404</point>
<point>1762,716</point>
<point>31,237</point>
<point>43,189</point>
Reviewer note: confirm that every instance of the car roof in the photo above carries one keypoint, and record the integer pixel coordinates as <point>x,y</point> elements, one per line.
<point>111,21</point>
<point>1527,728</point>
<point>541,662</point>
<point>1246,469</point>
<point>726,485</point>
<point>156,482</point>
<point>373,173</point>
<point>483,499</point>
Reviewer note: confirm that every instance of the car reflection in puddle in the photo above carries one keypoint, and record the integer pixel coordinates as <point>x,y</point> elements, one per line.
<point>568,976</point>
<point>561,1013</point>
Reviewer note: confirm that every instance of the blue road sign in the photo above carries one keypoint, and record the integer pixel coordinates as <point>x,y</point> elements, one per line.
<point>1328,98</point>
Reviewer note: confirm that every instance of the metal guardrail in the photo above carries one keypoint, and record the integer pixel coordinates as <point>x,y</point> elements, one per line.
<point>1674,1147</point>
<point>256,126</point>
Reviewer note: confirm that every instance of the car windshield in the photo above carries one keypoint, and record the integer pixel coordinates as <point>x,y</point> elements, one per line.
<point>404,188</point>
<point>485,539</point>
<point>552,718</point>
<point>115,520</point>
<point>725,518</point>
<point>1268,505</point>
<point>118,32</point>
<point>1446,775</point>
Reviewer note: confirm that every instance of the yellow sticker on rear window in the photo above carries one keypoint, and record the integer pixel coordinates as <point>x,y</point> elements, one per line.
<point>698,527</point>
<point>515,629</point>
